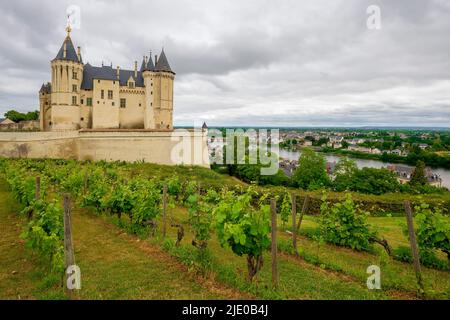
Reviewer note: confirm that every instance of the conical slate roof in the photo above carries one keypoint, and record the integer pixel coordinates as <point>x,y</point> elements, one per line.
<point>71,54</point>
<point>163,64</point>
<point>46,88</point>
<point>143,66</point>
<point>150,65</point>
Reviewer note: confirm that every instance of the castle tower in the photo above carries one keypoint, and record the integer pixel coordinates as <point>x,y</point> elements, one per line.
<point>149,75</point>
<point>67,75</point>
<point>44,106</point>
<point>162,92</point>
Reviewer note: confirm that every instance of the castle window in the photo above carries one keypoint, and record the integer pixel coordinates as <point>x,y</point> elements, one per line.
<point>151,92</point>
<point>110,94</point>
<point>74,100</point>
<point>131,85</point>
<point>89,102</point>
<point>82,119</point>
<point>123,103</point>
<point>113,104</point>
<point>74,75</point>
<point>102,94</point>
<point>140,105</point>
<point>74,88</point>
<point>81,101</point>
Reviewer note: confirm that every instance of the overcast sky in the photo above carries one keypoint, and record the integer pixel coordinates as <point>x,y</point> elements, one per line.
<point>251,62</point>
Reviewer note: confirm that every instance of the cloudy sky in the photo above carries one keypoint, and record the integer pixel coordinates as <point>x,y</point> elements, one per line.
<point>252,62</point>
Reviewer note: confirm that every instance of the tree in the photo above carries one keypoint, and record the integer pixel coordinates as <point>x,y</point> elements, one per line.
<point>19,116</point>
<point>15,116</point>
<point>344,174</point>
<point>374,181</point>
<point>418,176</point>
<point>311,172</point>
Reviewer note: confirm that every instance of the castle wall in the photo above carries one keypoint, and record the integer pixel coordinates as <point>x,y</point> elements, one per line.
<point>65,117</point>
<point>132,116</point>
<point>161,147</point>
<point>105,111</point>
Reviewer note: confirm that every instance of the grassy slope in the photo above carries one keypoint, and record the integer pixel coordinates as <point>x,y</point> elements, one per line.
<point>395,275</point>
<point>211,178</point>
<point>298,279</point>
<point>13,256</point>
<point>118,266</point>
<point>113,265</point>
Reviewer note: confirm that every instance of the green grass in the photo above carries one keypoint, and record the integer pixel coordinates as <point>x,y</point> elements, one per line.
<point>116,265</point>
<point>22,275</point>
<point>113,265</point>
<point>298,280</point>
<point>395,275</point>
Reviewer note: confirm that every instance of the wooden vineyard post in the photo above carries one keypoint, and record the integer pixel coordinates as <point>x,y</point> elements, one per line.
<point>69,256</point>
<point>294,221</point>
<point>413,243</point>
<point>38,188</point>
<point>164,210</point>
<point>85,182</point>
<point>37,195</point>
<point>273,209</point>
<point>304,210</point>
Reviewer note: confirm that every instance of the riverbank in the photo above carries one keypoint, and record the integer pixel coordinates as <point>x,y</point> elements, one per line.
<point>444,173</point>
<point>430,159</point>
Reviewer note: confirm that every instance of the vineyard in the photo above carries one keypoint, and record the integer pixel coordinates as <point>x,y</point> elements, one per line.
<point>272,243</point>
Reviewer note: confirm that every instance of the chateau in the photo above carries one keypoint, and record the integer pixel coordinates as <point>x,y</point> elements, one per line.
<point>82,96</point>
<point>105,113</point>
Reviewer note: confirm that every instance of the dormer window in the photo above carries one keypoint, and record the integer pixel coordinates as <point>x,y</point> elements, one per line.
<point>131,83</point>
<point>74,75</point>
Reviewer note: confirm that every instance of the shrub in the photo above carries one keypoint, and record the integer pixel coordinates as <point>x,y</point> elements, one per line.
<point>243,228</point>
<point>433,229</point>
<point>427,258</point>
<point>344,224</point>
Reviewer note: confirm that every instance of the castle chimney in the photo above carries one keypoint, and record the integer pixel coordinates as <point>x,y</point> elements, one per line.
<point>65,50</point>
<point>118,73</point>
<point>135,69</point>
<point>79,53</point>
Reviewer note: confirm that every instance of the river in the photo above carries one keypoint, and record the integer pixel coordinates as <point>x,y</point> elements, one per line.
<point>361,163</point>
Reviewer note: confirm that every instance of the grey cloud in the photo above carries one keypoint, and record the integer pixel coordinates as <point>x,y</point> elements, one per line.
<point>252,62</point>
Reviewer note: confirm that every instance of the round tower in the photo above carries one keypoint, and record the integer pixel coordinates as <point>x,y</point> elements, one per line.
<point>67,76</point>
<point>148,74</point>
<point>162,92</point>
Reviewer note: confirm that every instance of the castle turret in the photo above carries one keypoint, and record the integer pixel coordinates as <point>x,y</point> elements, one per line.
<point>149,75</point>
<point>67,76</point>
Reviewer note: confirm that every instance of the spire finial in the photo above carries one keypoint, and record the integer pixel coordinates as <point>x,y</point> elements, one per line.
<point>68,28</point>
